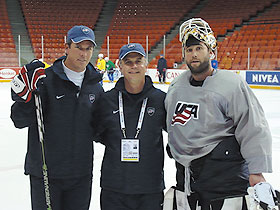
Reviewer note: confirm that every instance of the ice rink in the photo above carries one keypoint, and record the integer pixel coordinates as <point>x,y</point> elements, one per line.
<point>14,185</point>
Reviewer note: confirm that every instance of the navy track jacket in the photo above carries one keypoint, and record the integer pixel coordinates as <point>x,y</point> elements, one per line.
<point>145,176</point>
<point>68,133</point>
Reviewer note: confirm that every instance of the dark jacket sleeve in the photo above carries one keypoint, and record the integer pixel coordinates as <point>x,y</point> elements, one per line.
<point>96,123</point>
<point>158,63</point>
<point>23,114</point>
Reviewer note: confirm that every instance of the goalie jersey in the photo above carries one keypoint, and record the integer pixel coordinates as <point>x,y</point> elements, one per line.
<point>199,118</point>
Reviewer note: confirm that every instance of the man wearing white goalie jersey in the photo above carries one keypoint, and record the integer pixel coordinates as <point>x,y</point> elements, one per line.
<point>218,133</point>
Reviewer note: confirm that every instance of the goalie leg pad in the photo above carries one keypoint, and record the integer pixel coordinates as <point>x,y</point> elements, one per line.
<point>233,203</point>
<point>175,200</point>
<point>168,199</point>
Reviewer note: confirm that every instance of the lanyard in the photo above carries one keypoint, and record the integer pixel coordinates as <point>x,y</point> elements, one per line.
<point>141,116</point>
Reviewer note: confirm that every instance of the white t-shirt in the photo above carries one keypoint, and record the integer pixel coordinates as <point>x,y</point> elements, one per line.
<point>76,77</point>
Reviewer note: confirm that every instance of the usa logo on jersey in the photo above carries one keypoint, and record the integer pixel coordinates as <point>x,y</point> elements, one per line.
<point>184,112</point>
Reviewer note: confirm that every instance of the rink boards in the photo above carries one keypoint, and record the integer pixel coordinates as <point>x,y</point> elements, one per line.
<point>256,79</point>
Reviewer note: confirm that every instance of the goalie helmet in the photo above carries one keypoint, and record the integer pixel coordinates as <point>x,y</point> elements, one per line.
<point>200,30</point>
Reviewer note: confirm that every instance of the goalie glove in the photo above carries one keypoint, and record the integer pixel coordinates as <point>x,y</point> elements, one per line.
<point>26,81</point>
<point>263,197</point>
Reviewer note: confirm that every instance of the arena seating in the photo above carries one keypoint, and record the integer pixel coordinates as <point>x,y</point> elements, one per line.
<point>138,19</point>
<point>232,13</point>
<point>8,55</point>
<point>264,46</point>
<point>262,37</point>
<point>53,18</point>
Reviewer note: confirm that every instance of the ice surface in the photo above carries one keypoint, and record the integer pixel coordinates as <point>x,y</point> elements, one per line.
<point>14,185</point>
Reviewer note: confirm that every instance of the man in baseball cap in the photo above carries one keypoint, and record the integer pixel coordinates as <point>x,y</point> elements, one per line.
<point>70,89</point>
<point>81,33</point>
<point>127,180</point>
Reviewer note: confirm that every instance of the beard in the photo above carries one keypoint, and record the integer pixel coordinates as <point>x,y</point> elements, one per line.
<point>203,67</point>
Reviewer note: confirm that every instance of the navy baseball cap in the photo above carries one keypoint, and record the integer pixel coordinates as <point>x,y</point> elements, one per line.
<point>129,48</point>
<point>81,33</point>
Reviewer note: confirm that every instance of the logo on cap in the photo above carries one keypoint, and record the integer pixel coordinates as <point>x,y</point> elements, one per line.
<point>130,46</point>
<point>85,30</point>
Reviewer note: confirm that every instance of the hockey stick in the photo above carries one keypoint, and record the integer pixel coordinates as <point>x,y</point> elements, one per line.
<point>41,130</point>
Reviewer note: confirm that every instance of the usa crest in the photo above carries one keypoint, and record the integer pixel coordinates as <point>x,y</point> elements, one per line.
<point>85,30</point>
<point>131,46</point>
<point>91,98</point>
<point>151,111</point>
<point>184,112</point>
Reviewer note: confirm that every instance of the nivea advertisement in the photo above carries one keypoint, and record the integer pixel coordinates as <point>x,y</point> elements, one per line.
<point>271,78</point>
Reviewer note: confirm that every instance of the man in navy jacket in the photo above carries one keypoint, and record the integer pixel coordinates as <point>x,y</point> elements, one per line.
<point>130,120</point>
<point>69,93</point>
<point>161,67</point>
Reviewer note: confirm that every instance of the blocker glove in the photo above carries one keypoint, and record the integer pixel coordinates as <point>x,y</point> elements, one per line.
<point>26,81</point>
<point>263,197</point>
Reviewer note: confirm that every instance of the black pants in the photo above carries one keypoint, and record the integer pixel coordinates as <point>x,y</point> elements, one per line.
<point>66,194</point>
<point>118,201</point>
<point>161,75</point>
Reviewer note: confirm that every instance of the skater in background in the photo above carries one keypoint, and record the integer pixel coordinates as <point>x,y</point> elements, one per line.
<point>69,90</point>
<point>226,62</point>
<point>218,133</point>
<point>161,68</point>
<point>101,66</point>
<point>110,68</point>
<point>130,124</point>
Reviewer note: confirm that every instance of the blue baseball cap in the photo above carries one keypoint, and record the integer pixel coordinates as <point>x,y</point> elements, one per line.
<point>129,48</point>
<point>81,33</point>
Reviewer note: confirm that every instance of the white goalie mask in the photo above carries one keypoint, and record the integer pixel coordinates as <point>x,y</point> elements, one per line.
<point>200,30</point>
